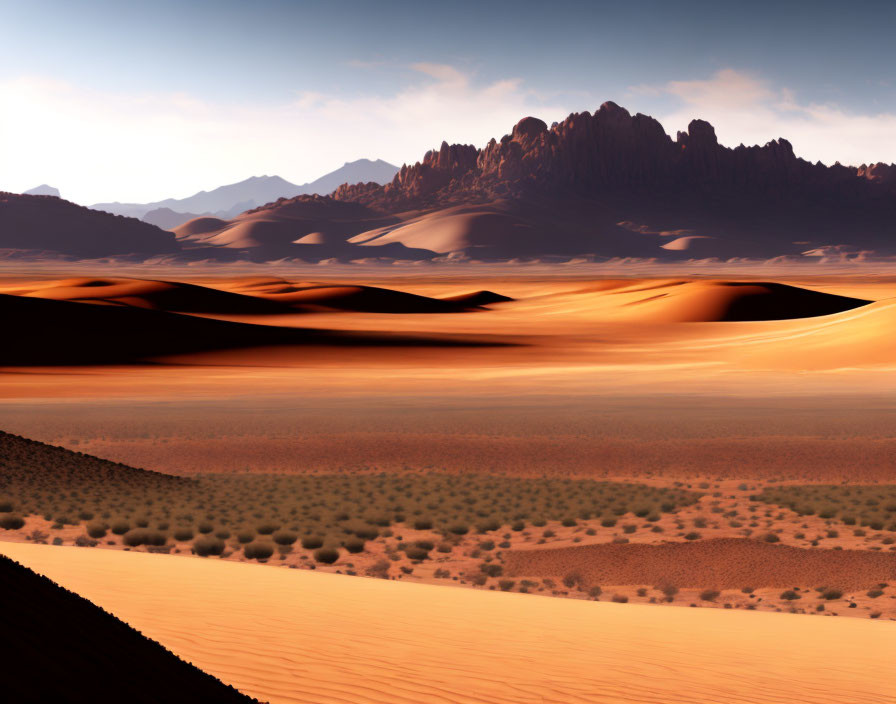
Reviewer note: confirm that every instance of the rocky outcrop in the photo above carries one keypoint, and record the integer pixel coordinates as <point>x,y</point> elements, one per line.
<point>607,151</point>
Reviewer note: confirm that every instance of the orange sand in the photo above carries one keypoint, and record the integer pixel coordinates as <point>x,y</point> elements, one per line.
<point>299,636</point>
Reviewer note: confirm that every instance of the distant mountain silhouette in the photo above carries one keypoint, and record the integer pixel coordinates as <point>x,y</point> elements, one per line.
<point>37,226</point>
<point>231,200</point>
<point>42,190</point>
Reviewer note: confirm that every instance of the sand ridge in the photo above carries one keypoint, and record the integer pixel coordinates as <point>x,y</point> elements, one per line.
<point>329,638</point>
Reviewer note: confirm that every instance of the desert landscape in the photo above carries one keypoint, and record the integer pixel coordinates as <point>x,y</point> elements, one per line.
<point>470,353</point>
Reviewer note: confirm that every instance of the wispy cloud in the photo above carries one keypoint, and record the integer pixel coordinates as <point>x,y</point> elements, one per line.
<point>98,145</point>
<point>745,108</point>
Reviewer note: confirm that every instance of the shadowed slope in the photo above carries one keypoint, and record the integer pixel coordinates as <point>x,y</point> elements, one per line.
<point>44,332</point>
<point>59,647</point>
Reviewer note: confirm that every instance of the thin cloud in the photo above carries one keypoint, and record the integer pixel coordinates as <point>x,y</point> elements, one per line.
<point>98,146</point>
<point>747,109</point>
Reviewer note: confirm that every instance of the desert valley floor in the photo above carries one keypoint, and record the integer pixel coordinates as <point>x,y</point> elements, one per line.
<point>687,483</point>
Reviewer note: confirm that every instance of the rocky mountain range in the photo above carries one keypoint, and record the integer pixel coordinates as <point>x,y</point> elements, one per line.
<point>231,200</point>
<point>599,185</point>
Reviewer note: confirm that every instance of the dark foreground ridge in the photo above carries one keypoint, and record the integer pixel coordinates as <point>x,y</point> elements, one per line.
<point>59,647</point>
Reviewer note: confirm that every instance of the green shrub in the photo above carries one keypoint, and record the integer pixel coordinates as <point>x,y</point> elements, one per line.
<point>415,553</point>
<point>312,542</point>
<point>183,534</point>
<point>96,529</point>
<point>285,537</point>
<point>258,550</point>
<point>120,527</point>
<point>326,555</point>
<point>207,545</point>
<point>11,521</point>
<point>353,545</point>
<point>144,536</point>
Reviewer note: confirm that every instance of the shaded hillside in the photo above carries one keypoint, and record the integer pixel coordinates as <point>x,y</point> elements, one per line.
<point>59,647</point>
<point>46,223</point>
<point>46,332</point>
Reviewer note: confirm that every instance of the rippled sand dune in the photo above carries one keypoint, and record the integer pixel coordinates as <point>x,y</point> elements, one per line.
<point>299,636</point>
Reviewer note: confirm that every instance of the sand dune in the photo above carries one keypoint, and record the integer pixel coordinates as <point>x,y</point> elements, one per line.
<point>300,636</point>
<point>720,563</point>
<point>358,298</point>
<point>157,295</point>
<point>45,332</point>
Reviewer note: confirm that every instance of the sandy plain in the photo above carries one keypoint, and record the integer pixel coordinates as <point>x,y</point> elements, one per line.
<point>316,637</point>
<point>582,378</point>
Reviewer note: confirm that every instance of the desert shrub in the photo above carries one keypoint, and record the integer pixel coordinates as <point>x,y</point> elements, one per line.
<point>223,534</point>
<point>506,584</point>
<point>669,591</point>
<point>312,542</point>
<point>258,550</point>
<point>608,522</point>
<point>207,545</point>
<point>595,592</point>
<point>692,536</point>
<point>11,521</point>
<point>245,536</point>
<point>444,547</point>
<point>831,594</point>
<point>6,506</point>
<point>96,530</point>
<point>459,528</point>
<point>183,534</point>
<point>709,595</point>
<point>267,527</point>
<point>143,536</point>
<point>487,545</point>
<point>874,593</point>
<point>642,592</point>
<point>366,532</point>
<point>491,569</point>
<point>568,522</point>
<point>620,598</point>
<point>415,553</point>
<point>205,528</point>
<point>425,544</point>
<point>629,528</point>
<point>284,537</point>
<point>422,524</point>
<point>790,595</point>
<point>326,555</point>
<point>353,545</point>
<point>771,538</point>
<point>84,541</point>
<point>120,527</point>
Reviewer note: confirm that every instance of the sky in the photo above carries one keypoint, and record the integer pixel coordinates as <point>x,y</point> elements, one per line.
<point>142,101</point>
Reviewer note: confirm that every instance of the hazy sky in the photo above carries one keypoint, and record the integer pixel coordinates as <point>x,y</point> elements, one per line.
<point>146,100</point>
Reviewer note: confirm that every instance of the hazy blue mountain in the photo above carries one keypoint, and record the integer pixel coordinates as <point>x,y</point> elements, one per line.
<point>42,190</point>
<point>231,200</point>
